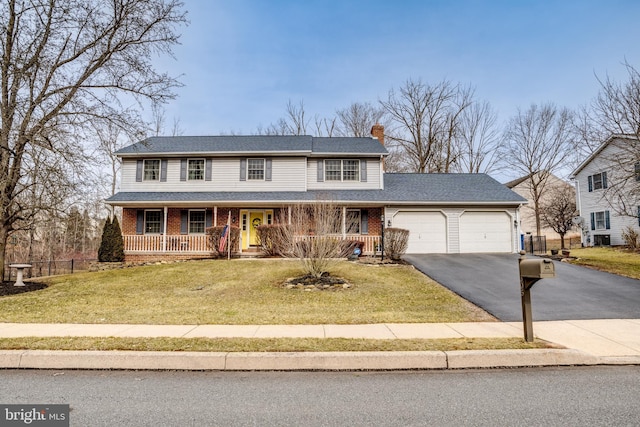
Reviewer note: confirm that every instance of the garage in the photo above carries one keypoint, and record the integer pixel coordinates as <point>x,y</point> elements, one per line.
<point>485,232</point>
<point>427,231</point>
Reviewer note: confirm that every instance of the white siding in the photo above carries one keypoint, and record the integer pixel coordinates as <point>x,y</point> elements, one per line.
<point>595,201</point>
<point>288,174</point>
<point>374,178</point>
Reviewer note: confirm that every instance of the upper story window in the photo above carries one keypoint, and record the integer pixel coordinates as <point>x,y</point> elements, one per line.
<point>597,181</point>
<point>195,169</point>
<point>255,169</point>
<point>342,170</point>
<point>151,170</point>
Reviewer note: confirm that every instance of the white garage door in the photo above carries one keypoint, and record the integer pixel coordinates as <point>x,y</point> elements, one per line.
<point>427,231</point>
<point>485,232</point>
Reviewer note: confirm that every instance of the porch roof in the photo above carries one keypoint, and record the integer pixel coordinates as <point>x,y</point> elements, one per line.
<point>418,189</point>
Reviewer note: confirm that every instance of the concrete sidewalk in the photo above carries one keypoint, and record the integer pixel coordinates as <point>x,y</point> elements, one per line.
<point>587,342</point>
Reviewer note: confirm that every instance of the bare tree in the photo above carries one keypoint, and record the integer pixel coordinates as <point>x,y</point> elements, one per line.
<point>538,141</point>
<point>478,139</point>
<point>357,119</point>
<point>313,235</point>
<point>559,209</point>
<point>616,111</point>
<point>65,62</point>
<point>425,120</point>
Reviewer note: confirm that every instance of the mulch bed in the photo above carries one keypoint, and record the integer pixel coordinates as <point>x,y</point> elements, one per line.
<point>310,283</point>
<point>8,288</point>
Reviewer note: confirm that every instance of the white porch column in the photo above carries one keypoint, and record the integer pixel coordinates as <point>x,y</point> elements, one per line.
<point>215,216</point>
<point>289,213</point>
<point>344,222</point>
<point>164,234</point>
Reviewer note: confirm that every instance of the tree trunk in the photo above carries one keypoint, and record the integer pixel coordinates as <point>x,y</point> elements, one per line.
<point>562,241</point>
<point>4,234</point>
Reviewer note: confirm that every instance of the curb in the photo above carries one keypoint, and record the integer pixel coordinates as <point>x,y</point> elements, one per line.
<point>318,361</point>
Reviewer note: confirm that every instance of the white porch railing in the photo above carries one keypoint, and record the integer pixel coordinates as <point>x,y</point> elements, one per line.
<point>160,243</point>
<point>199,243</point>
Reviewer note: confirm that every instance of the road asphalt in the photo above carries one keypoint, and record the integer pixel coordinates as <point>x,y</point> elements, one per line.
<point>579,342</point>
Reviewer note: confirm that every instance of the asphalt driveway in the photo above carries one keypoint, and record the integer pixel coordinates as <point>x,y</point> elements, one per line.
<point>491,281</point>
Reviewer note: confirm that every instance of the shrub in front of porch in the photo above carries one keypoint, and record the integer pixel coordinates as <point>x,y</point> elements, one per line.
<point>275,239</point>
<point>396,241</point>
<point>215,236</point>
<point>112,245</point>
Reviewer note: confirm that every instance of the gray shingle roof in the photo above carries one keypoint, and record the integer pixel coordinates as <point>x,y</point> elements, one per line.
<point>234,145</point>
<point>425,189</point>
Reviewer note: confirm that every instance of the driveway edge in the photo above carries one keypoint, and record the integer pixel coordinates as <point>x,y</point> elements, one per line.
<point>316,361</point>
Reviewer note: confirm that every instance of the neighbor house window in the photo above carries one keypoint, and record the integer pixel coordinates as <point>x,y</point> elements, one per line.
<point>600,220</point>
<point>636,168</point>
<point>597,181</point>
<point>255,169</point>
<point>342,170</point>
<point>151,170</point>
<point>152,222</point>
<point>196,222</point>
<point>195,169</point>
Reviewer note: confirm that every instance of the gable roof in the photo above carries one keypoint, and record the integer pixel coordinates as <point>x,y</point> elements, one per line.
<point>399,188</point>
<point>599,150</point>
<point>255,144</point>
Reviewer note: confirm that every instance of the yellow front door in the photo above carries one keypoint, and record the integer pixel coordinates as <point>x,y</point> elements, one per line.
<point>256,219</point>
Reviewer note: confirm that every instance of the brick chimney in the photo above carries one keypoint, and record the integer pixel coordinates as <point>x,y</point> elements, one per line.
<point>377,131</point>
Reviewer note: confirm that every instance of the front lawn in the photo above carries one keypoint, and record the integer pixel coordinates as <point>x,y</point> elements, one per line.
<point>613,260</point>
<point>239,292</point>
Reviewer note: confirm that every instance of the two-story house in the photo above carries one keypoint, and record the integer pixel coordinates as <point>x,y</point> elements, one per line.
<point>607,191</point>
<point>174,188</point>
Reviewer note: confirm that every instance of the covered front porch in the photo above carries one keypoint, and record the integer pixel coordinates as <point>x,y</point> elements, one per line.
<point>181,233</point>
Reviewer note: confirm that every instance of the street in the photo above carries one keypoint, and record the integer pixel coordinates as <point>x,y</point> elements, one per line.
<point>573,396</point>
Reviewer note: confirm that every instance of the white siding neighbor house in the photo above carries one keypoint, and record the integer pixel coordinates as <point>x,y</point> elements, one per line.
<point>174,188</point>
<point>607,191</point>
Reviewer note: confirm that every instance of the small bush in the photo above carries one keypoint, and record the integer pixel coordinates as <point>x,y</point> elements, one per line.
<point>233,239</point>
<point>275,239</point>
<point>631,238</point>
<point>396,241</point>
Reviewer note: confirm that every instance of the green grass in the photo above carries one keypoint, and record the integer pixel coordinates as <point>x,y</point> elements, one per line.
<point>238,292</point>
<point>613,260</point>
<point>265,345</point>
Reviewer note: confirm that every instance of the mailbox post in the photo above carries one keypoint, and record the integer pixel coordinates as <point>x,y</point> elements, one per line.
<point>531,270</point>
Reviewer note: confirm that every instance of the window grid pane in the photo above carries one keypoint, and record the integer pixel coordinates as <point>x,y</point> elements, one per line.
<point>196,222</point>
<point>353,222</point>
<point>597,181</point>
<point>255,169</point>
<point>196,169</point>
<point>332,170</point>
<point>153,222</point>
<point>151,170</point>
<point>350,170</point>
<point>600,223</point>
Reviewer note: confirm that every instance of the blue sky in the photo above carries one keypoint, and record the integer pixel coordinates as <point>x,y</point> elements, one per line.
<point>242,60</point>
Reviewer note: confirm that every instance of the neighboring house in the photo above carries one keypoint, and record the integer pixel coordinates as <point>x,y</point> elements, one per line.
<point>606,184</point>
<point>174,188</point>
<point>522,186</point>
